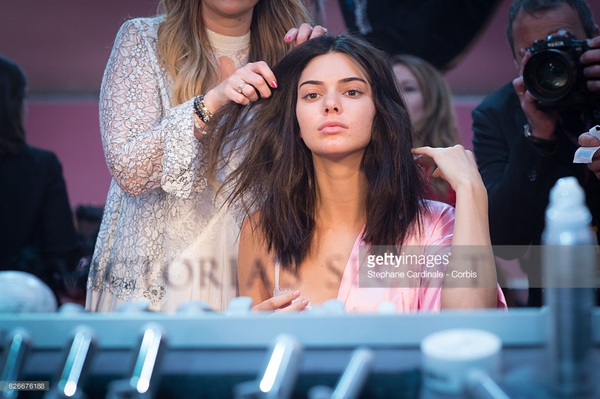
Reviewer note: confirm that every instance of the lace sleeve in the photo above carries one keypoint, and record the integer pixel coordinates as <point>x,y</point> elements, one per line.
<point>147,143</point>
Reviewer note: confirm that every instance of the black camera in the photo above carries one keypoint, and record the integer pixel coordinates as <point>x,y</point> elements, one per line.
<point>554,74</point>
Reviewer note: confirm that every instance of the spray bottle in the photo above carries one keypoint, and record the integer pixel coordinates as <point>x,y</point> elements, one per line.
<point>568,270</point>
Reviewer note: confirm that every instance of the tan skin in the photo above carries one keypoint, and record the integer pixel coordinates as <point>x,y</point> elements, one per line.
<point>335,111</point>
<point>471,228</point>
<point>233,18</point>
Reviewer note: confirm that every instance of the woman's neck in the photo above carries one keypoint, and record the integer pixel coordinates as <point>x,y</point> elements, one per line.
<point>341,192</point>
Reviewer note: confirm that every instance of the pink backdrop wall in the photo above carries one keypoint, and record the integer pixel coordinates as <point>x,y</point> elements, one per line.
<point>71,130</point>
<point>51,54</point>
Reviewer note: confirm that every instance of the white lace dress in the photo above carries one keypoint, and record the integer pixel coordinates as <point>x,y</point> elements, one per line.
<point>164,237</point>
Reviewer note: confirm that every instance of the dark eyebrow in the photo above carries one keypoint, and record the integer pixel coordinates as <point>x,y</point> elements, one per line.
<point>345,80</point>
<point>352,79</point>
<point>310,82</point>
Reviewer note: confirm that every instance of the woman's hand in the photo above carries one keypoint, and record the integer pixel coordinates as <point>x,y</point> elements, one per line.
<point>454,164</point>
<point>304,33</point>
<point>249,83</point>
<point>283,303</point>
<point>255,79</point>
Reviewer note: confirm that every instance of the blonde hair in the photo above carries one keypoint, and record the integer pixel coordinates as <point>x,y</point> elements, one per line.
<point>437,127</point>
<point>185,49</point>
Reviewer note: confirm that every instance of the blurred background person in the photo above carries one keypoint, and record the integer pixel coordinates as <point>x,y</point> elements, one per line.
<point>429,102</point>
<point>37,231</point>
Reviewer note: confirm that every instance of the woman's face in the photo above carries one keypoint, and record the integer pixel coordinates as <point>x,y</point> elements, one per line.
<point>335,107</point>
<point>223,16</point>
<point>410,91</point>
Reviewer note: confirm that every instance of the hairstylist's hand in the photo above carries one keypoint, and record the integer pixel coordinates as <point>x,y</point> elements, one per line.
<point>454,164</point>
<point>541,122</point>
<point>283,303</point>
<point>249,83</point>
<point>303,33</point>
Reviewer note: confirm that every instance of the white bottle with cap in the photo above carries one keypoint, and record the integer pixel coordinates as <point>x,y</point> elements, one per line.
<point>568,272</point>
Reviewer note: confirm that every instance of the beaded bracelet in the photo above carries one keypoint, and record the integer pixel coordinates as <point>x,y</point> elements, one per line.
<point>201,109</point>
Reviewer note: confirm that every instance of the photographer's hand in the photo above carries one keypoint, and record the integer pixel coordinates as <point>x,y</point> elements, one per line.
<point>541,122</point>
<point>591,58</point>
<point>587,140</point>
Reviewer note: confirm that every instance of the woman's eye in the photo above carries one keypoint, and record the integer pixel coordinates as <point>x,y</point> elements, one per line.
<point>311,96</point>
<point>353,93</point>
<point>408,89</point>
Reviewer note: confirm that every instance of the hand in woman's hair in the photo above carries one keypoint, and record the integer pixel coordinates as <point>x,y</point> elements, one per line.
<point>249,83</point>
<point>303,33</point>
<point>454,164</point>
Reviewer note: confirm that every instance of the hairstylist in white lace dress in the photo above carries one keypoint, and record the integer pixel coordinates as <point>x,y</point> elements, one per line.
<point>164,237</point>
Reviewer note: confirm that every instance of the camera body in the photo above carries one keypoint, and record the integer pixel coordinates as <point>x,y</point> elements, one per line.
<point>554,74</point>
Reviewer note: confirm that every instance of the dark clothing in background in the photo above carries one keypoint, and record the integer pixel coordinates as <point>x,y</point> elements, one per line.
<point>518,176</point>
<point>37,232</point>
<point>438,31</point>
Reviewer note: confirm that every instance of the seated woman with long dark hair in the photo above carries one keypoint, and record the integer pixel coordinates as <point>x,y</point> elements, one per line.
<point>329,184</point>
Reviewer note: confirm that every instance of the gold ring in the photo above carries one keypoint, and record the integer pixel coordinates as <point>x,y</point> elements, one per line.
<point>241,87</point>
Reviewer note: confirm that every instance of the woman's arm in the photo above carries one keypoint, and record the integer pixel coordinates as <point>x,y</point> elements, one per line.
<point>256,269</point>
<point>147,143</point>
<point>252,263</point>
<point>471,245</point>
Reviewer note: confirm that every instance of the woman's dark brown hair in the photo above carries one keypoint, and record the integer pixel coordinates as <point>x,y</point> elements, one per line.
<point>275,173</point>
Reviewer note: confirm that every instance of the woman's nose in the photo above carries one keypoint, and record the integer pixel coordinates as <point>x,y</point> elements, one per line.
<point>331,104</point>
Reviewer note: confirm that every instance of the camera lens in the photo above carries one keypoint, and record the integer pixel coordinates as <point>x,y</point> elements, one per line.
<point>552,75</point>
<point>549,75</point>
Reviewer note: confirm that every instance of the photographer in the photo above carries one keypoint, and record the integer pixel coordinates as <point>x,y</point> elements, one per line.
<point>524,145</point>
